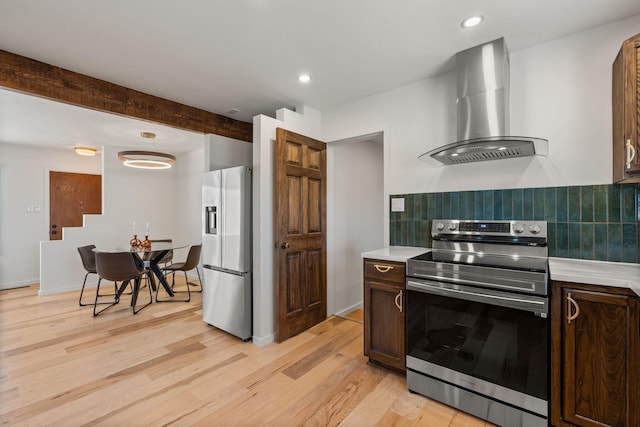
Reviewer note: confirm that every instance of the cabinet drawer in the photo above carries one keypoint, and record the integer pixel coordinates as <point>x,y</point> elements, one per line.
<point>384,270</point>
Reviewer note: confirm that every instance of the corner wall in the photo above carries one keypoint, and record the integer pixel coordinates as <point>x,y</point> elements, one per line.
<point>307,122</point>
<point>560,90</point>
<point>128,195</point>
<point>24,177</point>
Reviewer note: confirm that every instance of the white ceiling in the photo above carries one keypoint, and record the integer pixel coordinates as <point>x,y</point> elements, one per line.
<point>220,55</point>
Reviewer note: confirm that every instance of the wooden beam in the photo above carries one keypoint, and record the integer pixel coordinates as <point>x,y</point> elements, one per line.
<point>37,78</point>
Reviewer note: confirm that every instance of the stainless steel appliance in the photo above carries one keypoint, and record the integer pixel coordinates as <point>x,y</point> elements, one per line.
<point>226,250</point>
<point>477,328</point>
<point>482,74</point>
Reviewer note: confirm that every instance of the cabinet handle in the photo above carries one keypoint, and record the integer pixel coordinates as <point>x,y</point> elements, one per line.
<point>399,298</point>
<point>631,153</point>
<point>572,302</point>
<point>383,268</point>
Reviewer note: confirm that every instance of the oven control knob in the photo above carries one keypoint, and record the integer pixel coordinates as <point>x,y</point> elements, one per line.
<point>534,229</point>
<point>518,228</point>
<point>453,226</point>
<point>440,226</point>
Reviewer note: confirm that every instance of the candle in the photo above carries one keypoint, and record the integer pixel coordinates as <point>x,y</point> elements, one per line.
<point>134,227</point>
<point>146,230</point>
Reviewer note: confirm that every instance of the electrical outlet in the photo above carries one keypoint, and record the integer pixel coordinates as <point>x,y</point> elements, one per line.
<point>397,204</point>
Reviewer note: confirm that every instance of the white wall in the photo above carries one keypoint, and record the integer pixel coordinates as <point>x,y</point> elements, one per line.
<point>305,121</point>
<point>355,217</point>
<point>143,196</point>
<point>188,200</point>
<point>221,152</point>
<point>560,90</point>
<point>24,177</point>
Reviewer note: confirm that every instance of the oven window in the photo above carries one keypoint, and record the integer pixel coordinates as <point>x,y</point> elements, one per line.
<point>501,345</point>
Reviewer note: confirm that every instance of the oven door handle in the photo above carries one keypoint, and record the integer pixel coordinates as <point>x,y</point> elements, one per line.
<point>537,305</point>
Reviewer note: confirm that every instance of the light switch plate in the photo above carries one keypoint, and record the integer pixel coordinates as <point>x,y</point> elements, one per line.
<point>397,205</point>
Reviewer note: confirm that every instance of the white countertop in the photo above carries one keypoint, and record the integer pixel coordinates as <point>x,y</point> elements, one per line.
<point>618,274</point>
<point>395,253</point>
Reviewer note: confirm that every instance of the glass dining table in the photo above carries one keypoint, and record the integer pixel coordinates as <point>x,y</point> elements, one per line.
<point>149,259</point>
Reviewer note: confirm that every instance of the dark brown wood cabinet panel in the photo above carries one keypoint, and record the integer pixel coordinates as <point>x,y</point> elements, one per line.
<point>626,112</point>
<point>384,327</point>
<point>384,270</point>
<point>594,356</point>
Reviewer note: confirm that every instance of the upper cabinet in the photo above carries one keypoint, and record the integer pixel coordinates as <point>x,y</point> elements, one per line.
<point>626,112</point>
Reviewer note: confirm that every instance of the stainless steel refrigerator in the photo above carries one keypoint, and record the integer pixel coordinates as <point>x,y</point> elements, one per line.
<point>226,250</point>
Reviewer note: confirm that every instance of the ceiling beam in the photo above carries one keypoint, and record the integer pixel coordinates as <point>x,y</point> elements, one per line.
<point>37,78</point>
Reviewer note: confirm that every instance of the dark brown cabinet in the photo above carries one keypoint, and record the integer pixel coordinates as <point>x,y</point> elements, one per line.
<point>384,297</point>
<point>594,356</point>
<point>626,112</point>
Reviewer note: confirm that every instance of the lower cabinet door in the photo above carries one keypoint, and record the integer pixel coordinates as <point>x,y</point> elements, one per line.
<point>384,337</point>
<point>599,360</point>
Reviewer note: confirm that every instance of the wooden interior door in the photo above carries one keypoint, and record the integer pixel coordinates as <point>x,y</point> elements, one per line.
<point>300,233</point>
<point>72,195</point>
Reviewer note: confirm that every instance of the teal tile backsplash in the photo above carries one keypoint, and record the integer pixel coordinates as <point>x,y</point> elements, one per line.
<point>599,222</point>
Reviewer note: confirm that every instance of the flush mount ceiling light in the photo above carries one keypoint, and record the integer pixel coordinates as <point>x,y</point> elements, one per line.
<point>85,151</point>
<point>146,159</point>
<point>304,78</point>
<point>472,21</point>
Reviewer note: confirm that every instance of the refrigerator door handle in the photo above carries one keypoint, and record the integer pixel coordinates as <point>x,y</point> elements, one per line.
<point>225,270</point>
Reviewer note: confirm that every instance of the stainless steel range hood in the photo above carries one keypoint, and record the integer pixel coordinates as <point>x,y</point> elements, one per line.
<point>483,111</point>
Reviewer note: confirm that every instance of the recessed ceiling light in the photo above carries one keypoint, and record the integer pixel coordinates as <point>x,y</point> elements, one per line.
<point>304,78</point>
<point>472,21</point>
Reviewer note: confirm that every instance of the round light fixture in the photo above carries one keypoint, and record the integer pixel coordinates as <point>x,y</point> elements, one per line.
<point>146,159</point>
<point>149,135</point>
<point>472,21</point>
<point>304,78</point>
<point>85,151</point>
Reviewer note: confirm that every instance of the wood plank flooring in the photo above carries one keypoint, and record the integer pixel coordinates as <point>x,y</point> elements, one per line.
<point>60,366</point>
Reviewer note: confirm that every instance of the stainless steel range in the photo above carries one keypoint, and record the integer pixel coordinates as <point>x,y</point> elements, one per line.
<point>477,328</point>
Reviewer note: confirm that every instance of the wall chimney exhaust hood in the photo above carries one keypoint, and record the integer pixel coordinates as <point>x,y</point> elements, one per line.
<point>483,111</point>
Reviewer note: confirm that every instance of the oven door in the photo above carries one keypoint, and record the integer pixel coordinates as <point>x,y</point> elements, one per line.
<point>491,343</point>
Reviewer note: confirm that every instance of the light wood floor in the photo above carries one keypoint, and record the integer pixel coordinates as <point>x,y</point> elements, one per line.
<point>165,367</point>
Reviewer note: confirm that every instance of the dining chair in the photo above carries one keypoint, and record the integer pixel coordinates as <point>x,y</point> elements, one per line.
<point>120,267</point>
<point>88,258</point>
<point>89,263</point>
<point>192,261</point>
<point>168,258</point>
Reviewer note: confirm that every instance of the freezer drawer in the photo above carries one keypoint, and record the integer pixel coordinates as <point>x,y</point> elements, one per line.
<point>227,302</point>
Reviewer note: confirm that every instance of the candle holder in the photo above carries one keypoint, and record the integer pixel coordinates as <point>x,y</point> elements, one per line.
<point>135,243</point>
<point>145,245</point>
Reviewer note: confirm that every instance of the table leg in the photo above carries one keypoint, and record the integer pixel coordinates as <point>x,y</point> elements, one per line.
<point>134,292</point>
<point>153,266</point>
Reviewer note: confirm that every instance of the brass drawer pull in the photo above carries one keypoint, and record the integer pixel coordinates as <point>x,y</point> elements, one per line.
<point>399,298</point>
<point>572,302</point>
<point>631,153</point>
<point>383,268</point>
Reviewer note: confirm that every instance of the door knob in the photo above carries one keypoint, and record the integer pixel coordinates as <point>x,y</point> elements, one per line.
<point>284,245</point>
<point>54,232</point>
<point>54,226</point>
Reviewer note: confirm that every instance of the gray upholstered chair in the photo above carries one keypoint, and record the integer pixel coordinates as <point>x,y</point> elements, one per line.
<point>120,267</point>
<point>88,258</point>
<point>168,258</point>
<point>192,261</point>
